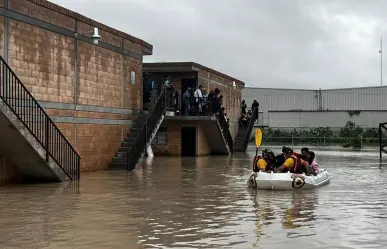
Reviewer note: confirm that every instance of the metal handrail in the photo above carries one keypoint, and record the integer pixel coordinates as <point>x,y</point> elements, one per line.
<point>17,97</point>
<point>138,146</point>
<point>250,128</point>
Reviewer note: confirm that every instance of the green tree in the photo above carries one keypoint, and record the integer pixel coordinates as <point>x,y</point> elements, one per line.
<point>353,134</point>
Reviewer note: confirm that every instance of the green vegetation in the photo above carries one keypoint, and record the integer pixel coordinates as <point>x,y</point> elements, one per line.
<point>350,136</point>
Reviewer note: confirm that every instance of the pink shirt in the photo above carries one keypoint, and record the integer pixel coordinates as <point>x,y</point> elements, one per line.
<point>314,165</point>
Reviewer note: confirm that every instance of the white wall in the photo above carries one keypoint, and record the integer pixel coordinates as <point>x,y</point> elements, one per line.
<point>280,100</point>
<point>315,119</point>
<point>365,98</point>
<point>272,99</point>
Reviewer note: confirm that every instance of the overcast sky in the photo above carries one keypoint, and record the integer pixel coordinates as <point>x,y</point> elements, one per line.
<point>266,43</point>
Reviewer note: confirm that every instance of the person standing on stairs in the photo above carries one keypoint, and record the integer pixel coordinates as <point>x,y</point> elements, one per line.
<point>244,107</point>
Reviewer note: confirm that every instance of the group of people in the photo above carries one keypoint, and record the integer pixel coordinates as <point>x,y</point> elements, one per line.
<point>245,118</point>
<point>199,102</point>
<point>288,160</point>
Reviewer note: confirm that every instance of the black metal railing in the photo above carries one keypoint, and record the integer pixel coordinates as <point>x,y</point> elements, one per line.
<point>25,107</point>
<point>254,117</point>
<point>226,131</point>
<point>382,144</point>
<point>198,106</point>
<point>228,137</point>
<point>146,130</point>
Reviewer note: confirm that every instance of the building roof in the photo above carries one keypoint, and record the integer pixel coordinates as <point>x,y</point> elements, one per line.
<point>187,66</point>
<point>308,90</point>
<point>79,17</point>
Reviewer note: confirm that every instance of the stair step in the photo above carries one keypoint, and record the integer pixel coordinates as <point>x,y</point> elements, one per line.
<point>129,139</point>
<point>127,144</point>
<point>119,160</point>
<point>135,129</point>
<point>122,153</point>
<point>123,149</point>
<point>117,166</point>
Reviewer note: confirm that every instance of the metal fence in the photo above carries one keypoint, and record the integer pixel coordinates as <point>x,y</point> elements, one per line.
<point>359,142</point>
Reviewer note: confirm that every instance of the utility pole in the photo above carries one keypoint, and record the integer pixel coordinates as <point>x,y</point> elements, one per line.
<point>381,60</point>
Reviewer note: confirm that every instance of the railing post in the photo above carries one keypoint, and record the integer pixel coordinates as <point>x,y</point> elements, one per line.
<point>292,141</point>
<point>79,169</point>
<point>324,141</point>
<point>47,139</point>
<point>380,143</point>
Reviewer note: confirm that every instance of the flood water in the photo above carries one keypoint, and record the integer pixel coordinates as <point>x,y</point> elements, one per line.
<point>200,203</point>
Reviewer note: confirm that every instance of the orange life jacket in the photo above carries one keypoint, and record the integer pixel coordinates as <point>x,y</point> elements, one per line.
<point>297,165</point>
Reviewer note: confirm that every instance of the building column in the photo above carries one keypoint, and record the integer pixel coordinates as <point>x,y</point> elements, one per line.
<point>76,81</point>
<point>6,39</point>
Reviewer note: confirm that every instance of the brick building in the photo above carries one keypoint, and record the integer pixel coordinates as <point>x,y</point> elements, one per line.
<point>170,138</point>
<point>92,92</point>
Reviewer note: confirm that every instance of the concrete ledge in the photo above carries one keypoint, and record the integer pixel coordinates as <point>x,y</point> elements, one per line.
<point>191,118</point>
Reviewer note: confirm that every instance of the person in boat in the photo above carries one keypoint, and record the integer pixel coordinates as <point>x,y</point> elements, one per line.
<point>292,163</point>
<point>313,164</point>
<point>280,159</point>
<point>265,162</point>
<point>304,153</point>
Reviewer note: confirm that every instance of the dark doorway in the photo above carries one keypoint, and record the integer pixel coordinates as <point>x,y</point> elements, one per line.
<point>188,141</point>
<point>185,83</point>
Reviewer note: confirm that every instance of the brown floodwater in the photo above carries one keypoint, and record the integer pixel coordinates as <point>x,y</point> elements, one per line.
<point>200,203</point>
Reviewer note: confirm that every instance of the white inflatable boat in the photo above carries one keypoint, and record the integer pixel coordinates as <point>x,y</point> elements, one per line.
<point>287,181</point>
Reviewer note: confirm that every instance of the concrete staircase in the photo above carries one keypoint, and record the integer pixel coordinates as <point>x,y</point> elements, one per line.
<point>239,140</point>
<point>141,134</point>
<point>22,149</point>
<point>29,140</point>
<point>243,136</point>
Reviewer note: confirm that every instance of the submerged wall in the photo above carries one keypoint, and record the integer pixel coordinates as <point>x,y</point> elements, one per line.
<point>92,92</point>
<point>8,172</point>
<point>168,141</point>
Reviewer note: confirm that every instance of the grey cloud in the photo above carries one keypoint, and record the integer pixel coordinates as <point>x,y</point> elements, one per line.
<point>266,43</point>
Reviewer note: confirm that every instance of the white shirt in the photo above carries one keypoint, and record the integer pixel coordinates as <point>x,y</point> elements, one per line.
<point>198,94</point>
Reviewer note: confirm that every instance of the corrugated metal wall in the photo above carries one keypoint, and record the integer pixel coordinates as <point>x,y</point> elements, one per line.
<point>370,98</point>
<point>271,99</point>
<point>280,100</point>
<point>336,119</point>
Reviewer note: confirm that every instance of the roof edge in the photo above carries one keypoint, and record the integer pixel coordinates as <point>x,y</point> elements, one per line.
<point>192,64</point>
<point>67,12</point>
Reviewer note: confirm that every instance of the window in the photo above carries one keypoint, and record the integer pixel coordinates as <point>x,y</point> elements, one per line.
<point>161,137</point>
<point>133,77</point>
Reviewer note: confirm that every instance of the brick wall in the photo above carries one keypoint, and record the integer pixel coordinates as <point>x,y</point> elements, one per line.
<point>203,148</point>
<point>173,148</point>
<point>231,96</point>
<point>44,61</point>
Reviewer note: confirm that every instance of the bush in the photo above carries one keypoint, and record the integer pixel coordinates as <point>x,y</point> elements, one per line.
<point>351,135</point>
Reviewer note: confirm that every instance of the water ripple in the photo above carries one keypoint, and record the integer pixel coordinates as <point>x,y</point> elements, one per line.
<point>200,203</point>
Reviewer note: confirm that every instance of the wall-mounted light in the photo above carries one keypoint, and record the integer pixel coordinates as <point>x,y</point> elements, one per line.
<point>233,85</point>
<point>95,37</point>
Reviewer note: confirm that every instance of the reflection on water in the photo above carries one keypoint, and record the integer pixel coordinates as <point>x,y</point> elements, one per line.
<point>200,203</point>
